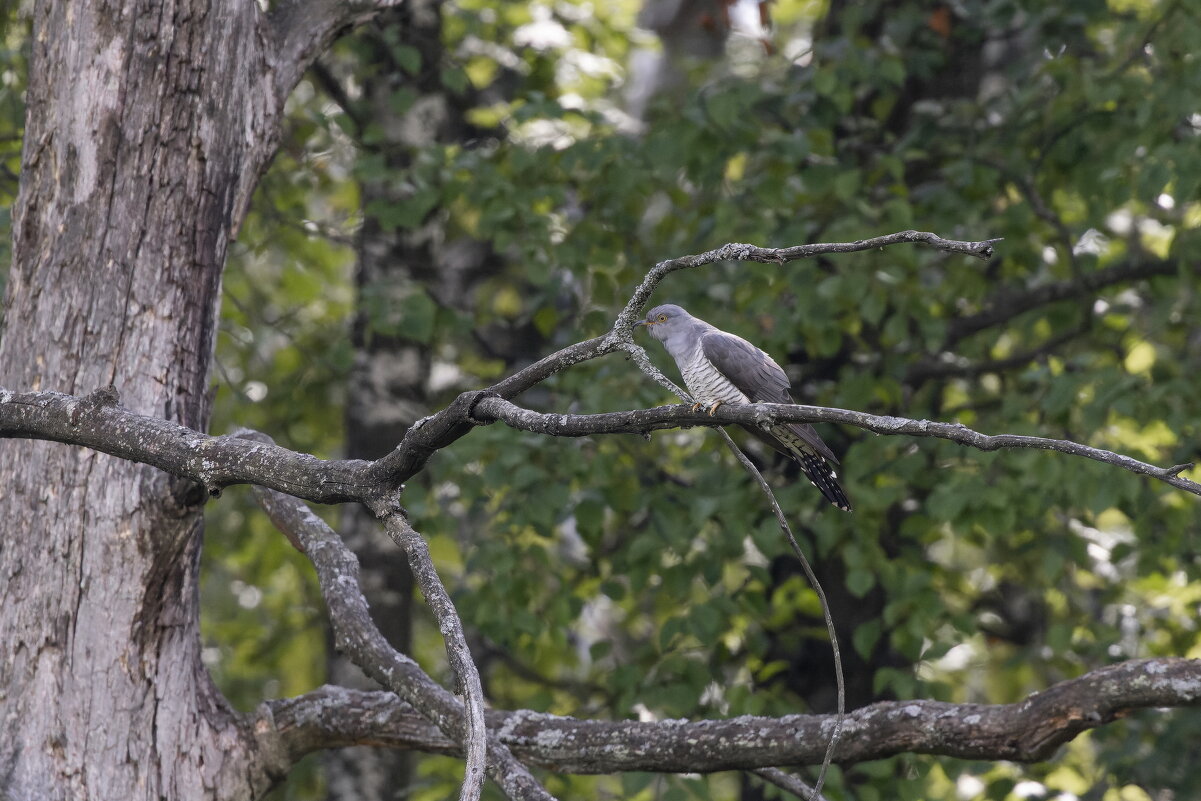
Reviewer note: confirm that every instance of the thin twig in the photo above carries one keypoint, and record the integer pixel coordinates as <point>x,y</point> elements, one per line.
<point>836,735</point>
<point>787,781</point>
<point>736,251</point>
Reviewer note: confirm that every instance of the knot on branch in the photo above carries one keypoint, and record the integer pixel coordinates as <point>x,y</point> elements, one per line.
<point>763,418</point>
<point>386,505</point>
<point>472,401</point>
<point>105,396</point>
<point>97,399</point>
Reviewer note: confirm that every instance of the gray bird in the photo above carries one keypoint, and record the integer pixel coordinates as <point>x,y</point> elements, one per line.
<point>719,367</point>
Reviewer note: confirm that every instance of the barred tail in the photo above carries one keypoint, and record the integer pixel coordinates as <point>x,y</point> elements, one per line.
<point>802,443</point>
<point>819,472</point>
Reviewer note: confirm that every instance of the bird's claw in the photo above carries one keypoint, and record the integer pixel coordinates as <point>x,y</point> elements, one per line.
<point>713,408</point>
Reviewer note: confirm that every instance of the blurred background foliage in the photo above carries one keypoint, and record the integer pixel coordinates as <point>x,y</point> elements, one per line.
<point>464,187</point>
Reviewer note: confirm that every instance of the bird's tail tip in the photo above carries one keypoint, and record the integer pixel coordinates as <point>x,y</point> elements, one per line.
<point>821,475</point>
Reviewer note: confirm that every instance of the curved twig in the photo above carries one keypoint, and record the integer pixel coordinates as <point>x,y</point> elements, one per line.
<point>793,784</point>
<point>639,355</point>
<point>839,678</point>
<point>740,252</point>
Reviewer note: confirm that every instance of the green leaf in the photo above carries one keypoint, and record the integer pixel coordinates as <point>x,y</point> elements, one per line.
<point>860,581</point>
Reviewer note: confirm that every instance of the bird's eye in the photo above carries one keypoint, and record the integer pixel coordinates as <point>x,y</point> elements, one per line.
<point>662,318</point>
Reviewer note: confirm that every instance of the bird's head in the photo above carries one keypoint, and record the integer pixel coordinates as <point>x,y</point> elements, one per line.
<point>666,320</point>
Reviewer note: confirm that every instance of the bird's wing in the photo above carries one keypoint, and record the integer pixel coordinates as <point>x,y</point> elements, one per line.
<point>759,378</point>
<point>746,367</point>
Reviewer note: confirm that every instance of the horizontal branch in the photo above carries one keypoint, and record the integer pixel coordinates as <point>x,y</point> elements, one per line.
<point>642,421</point>
<point>97,421</point>
<point>1026,731</point>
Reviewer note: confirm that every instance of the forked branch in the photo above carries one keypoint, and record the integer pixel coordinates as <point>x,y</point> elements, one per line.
<point>357,636</point>
<point>1025,731</point>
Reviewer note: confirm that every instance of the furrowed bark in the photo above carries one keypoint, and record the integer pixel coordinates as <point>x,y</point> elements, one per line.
<point>147,128</point>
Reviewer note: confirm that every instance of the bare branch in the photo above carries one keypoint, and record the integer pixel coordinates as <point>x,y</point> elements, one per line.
<point>1026,731</point>
<point>642,421</point>
<point>356,635</point>
<point>337,717</point>
<point>217,462</point>
<point>786,781</point>
<point>839,679</point>
<point>96,421</point>
<point>740,252</point>
<point>457,652</point>
<point>638,354</point>
<point>303,29</point>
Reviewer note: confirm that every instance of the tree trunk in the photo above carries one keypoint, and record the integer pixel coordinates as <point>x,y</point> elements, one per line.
<point>146,128</point>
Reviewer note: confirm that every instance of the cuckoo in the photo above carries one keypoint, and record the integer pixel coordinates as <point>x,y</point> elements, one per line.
<point>719,367</point>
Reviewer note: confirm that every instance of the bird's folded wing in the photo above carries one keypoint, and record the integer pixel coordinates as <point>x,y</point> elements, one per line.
<point>759,378</point>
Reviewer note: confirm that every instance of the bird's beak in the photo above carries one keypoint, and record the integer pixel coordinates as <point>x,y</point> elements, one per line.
<point>642,323</point>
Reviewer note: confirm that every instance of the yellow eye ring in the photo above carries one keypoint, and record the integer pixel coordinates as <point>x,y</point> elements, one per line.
<point>662,318</point>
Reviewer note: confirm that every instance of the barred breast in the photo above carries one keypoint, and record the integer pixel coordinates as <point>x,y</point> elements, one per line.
<point>706,384</point>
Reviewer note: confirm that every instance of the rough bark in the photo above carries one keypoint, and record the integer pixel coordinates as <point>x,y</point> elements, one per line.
<point>1025,731</point>
<point>84,666</point>
<point>147,127</point>
<point>358,637</point>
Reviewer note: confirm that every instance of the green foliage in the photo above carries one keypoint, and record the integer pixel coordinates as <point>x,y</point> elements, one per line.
<point>619,576</point>
<point>13,76</point>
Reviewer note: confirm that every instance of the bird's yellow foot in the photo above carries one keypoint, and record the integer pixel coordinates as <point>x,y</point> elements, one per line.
<point>713,408</point>
<point>695,406</point>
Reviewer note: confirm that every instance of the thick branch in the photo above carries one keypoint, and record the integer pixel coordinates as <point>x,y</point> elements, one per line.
<point>96,421</point>
<point>304,29</point>
<point>1026,731</point>
<point>642,421</point>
